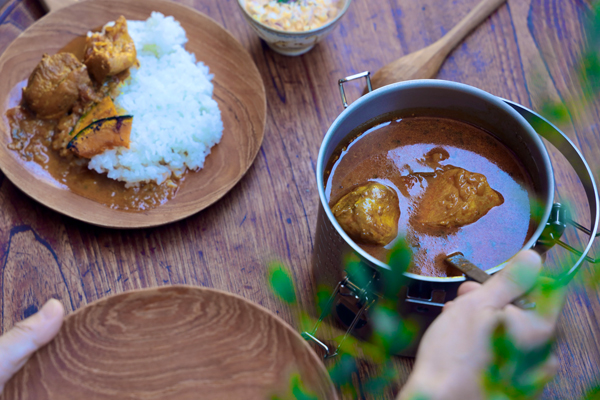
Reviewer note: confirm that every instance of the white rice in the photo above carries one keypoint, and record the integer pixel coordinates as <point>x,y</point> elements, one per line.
<point>175,119</point>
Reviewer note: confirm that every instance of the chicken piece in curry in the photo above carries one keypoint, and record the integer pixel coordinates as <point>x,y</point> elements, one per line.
<point>111,51</point>
<point>449,187</point>
<point>61,89</point>
<point>56,84</point>
<point>455,197</point>
<point>369,214</point>
<point>66,115</point>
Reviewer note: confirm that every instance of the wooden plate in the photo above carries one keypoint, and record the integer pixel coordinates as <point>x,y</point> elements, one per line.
<point>175,342</point>
<point>238,89</point>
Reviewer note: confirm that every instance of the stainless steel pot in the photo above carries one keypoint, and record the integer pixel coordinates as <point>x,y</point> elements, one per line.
<point>423,297</point>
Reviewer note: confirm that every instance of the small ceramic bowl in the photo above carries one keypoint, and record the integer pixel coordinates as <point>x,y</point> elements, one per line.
<point>292,43</point>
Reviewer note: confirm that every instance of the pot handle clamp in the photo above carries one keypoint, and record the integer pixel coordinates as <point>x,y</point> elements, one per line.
<point>366,75</point>
<point>364,296</point>
<point>559,216</point>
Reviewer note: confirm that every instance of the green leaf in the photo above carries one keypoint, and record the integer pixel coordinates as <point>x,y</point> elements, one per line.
<point>594,393</point>
<point>513,373</point>
<point>377,385</point>
<point>390,331</point>
<point>358,272</point>
<point>394,279</point>
<point>281,283</point>
<point>342,370</point>
<point>299,391</point>
<point>420,396</point>
<point>323,295</point>
<point>557,112</point>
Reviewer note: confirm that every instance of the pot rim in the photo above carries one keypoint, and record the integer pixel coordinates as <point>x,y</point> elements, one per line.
<point>432,83</point>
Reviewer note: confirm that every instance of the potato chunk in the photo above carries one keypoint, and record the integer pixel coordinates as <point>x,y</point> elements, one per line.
<point>54,85</point>
<point>111,51</point>
<point>456,197</point>
<point>369,214</point>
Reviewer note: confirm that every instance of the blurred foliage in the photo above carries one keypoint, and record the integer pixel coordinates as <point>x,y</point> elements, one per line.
<point>589,68</point>
<point>390,332</point>
<point>587,71</point>
<point>514,373</point>
<point>296,391</point>
<point>281,283</point>
<point>593,394</point>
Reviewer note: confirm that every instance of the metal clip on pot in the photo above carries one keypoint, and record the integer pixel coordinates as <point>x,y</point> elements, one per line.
<point>364,297</point>
<point>555,226</point>
<point>559,217</point>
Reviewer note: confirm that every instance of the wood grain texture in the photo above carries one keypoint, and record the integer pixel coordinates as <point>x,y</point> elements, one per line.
<point>425,63</point>
<point>175,342</point>
<point>53,5</point>
<point>238,90</point>
<point>525,52</point>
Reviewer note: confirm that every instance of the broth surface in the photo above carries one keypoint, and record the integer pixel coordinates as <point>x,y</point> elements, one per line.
<point>398,154</point>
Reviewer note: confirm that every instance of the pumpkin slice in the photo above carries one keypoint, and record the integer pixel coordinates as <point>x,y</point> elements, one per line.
<point>104,109</point>
<point>102,135</point>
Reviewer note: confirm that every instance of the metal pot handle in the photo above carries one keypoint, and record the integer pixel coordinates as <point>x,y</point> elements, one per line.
<point>366,74</point>
<point>364,296</point>
<point>562,143</point>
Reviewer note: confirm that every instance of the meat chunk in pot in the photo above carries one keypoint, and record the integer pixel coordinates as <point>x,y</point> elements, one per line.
<point>456,197</point>
<point>369,214</point>
<point>111,51</point>
<point>54,85</point>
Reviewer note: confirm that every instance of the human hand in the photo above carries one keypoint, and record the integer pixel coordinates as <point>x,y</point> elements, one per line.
<point>456,349</point>
<point>26,337</point>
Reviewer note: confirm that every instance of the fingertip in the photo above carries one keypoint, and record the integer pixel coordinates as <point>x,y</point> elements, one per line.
<point>467,287</point>
<point>517,278</point>
<point>447,305</point>
<point>524,268</point>
<point>51,319</point>
<point>529,258</point>
<point>53,310</point>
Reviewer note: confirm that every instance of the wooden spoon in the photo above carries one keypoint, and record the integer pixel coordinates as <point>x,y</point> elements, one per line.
<point>425,63</point>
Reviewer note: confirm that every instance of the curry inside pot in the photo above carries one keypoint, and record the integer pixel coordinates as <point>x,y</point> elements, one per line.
<point>443,185</point>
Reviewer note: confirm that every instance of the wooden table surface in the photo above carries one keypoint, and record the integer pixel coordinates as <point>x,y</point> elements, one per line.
<point>525,52</point>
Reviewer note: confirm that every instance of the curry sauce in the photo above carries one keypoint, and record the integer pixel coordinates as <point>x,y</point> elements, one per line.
<point>458,189</point>
<point>41,145</point>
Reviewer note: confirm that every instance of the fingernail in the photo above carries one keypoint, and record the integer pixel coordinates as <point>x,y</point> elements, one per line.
<point>529,257</point>
<point>52,309</point>
<point>527,266</point>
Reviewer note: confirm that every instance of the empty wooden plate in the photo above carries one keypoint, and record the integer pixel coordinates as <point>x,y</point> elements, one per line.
<point>176,342</point>
<point>238,89</point>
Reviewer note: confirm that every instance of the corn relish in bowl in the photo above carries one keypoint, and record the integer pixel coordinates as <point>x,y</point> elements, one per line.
<point>293,27</point>
<point>294,16</point>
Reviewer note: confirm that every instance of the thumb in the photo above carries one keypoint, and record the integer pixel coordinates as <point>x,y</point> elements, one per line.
<point>27,336</point>
<point>514,280</point>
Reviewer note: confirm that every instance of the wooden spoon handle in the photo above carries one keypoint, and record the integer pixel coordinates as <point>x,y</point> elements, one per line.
<point>53,5</point>
<point>470,22</point>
